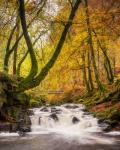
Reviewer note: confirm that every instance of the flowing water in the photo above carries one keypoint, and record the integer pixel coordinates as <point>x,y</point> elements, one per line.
<point>65,127</point>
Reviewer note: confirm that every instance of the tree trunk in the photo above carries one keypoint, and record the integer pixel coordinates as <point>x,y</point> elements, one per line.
<point>89,72</point>
<point>99,85</point>
<point>114,64</point>
<point>34,64</point>
<point>16,48</point>
<point>37,80</point>
<point>26,54</point>
<point>85,74</point>
<point>8,49</point>
<point>107,64</point>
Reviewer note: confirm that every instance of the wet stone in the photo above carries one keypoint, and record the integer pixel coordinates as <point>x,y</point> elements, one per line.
<point>86,113</point>
<point>30,112</point>
<point>39,121</point>
<point>71,106</point>
<point>24,122</point>
<point>84,109</point>
<point>44,109</point>
<point>54,117</point>
<point>101,121</point>
<point>55,110</point>
<point>13,127</point>
<point>75,120</point>
<point>5,127</point>
<point>104,124</point>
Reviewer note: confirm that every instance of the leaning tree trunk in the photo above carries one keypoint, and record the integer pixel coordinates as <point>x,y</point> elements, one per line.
<point>16,48</point>
<point>107,64</point>
<point>107,71</point>
<point>31,83</point>
<point>90,72</point>
<point>99,85</point>
<point>26,54</point>
<point>9,50</point>
<point>34,64</point>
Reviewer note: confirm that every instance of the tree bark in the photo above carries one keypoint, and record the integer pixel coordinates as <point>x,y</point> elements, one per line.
<point>34,64</point>
<point>37,80</point>
<point>107,64</point>
<point>26,54</point>
<point>90,81</point>
<point>16,48</point>
<point>8,49</point>
<point>99,85</point>
<point>85,73</point>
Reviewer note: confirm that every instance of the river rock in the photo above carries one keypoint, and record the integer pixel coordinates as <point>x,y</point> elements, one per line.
<point>44,109</point>
<point>39,121</point>
<point>104,124</point>
<point>86,113</point>
<point>8,127</point>
<point>5,127</point>
<point>24,122</point>
<point>101,121</point>
<point>30,112</point>
<point>55,110</point>
<point>13,127</point>
<point>54,117</point>
<point>71,106</point>
<point>84,109</point>
<point>75,120</point>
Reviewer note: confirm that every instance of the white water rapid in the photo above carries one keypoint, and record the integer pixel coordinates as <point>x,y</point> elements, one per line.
<point>65,119</point>
<point>70,122</point>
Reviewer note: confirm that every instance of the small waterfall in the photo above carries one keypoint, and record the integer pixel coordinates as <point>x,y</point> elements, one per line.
<point>68,122</point>
<point>64,119</point>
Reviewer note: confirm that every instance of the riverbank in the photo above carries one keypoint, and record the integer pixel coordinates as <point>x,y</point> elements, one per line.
<point>105,106</point>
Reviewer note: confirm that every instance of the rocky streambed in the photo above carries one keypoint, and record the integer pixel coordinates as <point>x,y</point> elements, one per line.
<point>69,126</point>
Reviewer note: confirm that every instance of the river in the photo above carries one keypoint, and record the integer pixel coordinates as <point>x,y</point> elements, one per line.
<point>65,127</point>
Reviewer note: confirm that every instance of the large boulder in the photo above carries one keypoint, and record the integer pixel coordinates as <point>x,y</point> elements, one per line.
<point>10,102</point>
